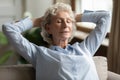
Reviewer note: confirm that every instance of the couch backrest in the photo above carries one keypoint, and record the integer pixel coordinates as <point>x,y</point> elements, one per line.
<point>17,72</point>
<point>27,72</point>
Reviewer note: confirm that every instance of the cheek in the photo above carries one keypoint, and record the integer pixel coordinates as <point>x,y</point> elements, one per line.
<point>71,27</point>
<point>55,29</point>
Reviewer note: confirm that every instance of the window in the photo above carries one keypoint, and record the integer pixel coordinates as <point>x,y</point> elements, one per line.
<point>82,5</point>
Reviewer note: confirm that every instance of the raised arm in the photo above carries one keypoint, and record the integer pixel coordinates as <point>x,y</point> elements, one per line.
<point>95,38</point>
<point>22,46</point>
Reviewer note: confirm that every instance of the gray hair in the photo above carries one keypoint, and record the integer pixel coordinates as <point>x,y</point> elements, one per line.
<point>47,19</point>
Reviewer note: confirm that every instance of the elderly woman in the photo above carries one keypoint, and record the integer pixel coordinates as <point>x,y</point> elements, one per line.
<point>61,61</point>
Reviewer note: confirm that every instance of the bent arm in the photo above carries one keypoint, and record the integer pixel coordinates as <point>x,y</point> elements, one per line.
<point>21,45</point>
<point>95,38</point>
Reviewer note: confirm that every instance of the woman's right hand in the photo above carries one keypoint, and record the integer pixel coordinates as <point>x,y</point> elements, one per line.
<point>37,22</point>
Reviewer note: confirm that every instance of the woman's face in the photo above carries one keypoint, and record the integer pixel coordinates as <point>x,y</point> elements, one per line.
<point>60,26</point>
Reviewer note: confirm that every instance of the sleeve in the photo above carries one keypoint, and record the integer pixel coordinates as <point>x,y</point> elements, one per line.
<point>95,38</point>
<point>21,45</point>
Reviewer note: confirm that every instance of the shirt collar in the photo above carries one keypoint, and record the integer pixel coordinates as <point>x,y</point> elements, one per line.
<point>67,50</point>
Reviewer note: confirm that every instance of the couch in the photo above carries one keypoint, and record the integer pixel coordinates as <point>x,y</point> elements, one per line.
<point>102,69</point>
<point>27,72</point>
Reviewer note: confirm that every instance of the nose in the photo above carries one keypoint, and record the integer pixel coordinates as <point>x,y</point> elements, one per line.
<point>65,24</point>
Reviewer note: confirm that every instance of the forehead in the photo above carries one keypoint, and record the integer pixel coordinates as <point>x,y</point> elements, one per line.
<point>62,15</point>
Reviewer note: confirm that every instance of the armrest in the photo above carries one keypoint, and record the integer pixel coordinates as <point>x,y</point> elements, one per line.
<point>113,76</point>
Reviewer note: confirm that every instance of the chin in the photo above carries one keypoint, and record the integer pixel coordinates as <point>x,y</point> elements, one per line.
<point>65,37</point>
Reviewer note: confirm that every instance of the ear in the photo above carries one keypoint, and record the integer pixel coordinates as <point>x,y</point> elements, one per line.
<point>47,28</point>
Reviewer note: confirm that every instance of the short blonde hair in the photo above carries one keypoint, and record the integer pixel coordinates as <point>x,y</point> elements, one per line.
<point>52,10</point>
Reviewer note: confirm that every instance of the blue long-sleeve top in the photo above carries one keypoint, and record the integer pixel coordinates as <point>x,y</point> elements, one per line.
<point>55,63</point>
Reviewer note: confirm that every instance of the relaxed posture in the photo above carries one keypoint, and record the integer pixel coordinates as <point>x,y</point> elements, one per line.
<point>61,60</point>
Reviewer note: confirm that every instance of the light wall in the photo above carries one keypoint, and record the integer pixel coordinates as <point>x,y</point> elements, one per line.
<point>37,7</point>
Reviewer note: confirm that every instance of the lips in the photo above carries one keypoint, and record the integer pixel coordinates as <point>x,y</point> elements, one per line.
<point>64,32</point>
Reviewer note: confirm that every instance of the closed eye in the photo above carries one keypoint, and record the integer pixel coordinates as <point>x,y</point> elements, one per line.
<point>69,21</point>
<point>59,21</point>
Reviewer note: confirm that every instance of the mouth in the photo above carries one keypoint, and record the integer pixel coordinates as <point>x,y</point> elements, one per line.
<point>65,32</point>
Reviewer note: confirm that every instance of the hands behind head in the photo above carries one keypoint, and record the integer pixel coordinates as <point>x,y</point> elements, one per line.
<point>37,21</point>
<point>78,17</point>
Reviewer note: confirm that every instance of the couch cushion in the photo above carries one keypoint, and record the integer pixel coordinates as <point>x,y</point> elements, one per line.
<point>101,66</point>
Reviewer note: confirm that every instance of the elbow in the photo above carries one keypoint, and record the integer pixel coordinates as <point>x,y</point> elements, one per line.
<point>5,27</point>
<point>105,18</point>
<point>106,14</point>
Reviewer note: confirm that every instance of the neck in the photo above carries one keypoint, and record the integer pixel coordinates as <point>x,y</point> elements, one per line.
<point>62,43</point>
